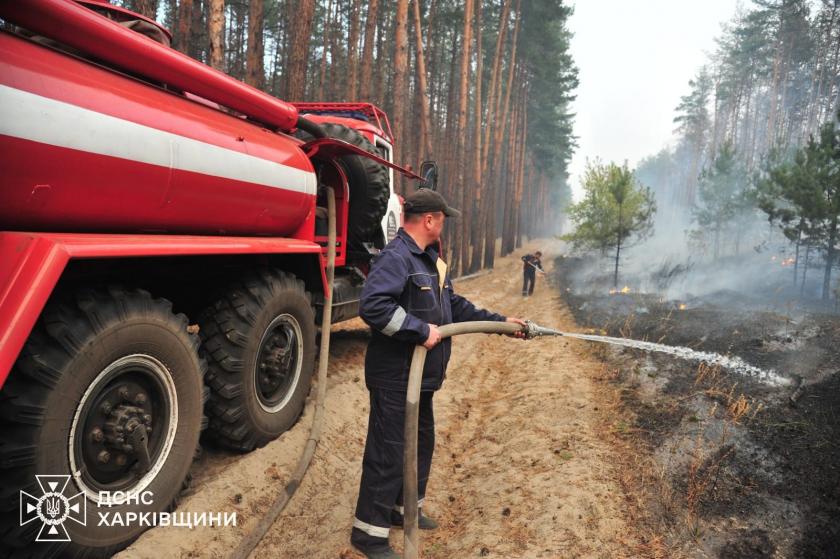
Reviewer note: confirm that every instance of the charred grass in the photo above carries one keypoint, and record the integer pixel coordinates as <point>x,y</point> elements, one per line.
<point>716,464</point>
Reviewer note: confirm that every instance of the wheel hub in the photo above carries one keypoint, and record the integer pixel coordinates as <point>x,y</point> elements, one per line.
<point>125,432</point>
<point>123,426</point>
<point>278,362</point>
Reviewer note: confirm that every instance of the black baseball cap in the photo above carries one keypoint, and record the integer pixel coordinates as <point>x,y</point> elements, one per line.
<point>425,200</point>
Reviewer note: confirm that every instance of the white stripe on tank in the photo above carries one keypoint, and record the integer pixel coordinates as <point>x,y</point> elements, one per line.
<point>33,117</point>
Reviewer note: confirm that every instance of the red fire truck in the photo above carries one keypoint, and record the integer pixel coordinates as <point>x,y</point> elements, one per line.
<point>162,258</point>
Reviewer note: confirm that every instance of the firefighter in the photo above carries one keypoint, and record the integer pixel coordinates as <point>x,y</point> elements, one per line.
<point>530,264</point>
<point>407,295</point>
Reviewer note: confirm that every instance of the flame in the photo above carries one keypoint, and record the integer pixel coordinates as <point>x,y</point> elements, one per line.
<point>682,306</point>
<point>789,261</point>
<point>624,290</point>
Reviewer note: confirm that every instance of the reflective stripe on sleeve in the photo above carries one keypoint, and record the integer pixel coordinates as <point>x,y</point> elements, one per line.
<point>395,323</point>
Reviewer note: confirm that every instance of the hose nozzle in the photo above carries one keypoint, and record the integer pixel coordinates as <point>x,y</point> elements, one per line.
<point>533,330</point>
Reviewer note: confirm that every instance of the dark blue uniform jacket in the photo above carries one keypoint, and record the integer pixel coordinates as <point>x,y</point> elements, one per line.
<point>401,297</point>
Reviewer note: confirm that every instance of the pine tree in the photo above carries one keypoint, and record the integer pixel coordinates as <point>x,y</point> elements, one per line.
<point>615,208</point>
<point>722,194</point>
<point>693,123</point>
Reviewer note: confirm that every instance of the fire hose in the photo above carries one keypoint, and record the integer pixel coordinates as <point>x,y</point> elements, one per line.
<point>412,411</point>
<point>540,270</point>
<point>247,545</point>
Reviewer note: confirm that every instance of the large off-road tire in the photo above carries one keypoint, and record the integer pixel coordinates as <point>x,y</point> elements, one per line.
<point>369,184</point>
<point>100,366</point>
<point>259,340</point>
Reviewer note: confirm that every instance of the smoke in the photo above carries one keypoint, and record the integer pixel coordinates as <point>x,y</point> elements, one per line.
<point>677,263</point>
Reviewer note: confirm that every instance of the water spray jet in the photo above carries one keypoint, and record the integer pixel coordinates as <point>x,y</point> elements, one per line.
<point>531,330</point>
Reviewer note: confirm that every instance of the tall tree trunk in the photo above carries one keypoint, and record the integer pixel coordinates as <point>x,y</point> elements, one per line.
<point>482,215</point>
<point>805,270</point>
<point>367,52</point>
<point>518,146</point>
<point>182,32</point>
<point>434,53</point>
<point>452,242</point>
<point>495,185</point>
<point>215,32</point>
<point>820,74</point>
<point>323,74</point>
<point>834,83</point>
<point>774,91</point>
<point>422,87</point>
<point>518,219</point>
<point>353,52</point>
<point>517,206</point>
<point>299,56</point>
<point>476,233</point>
<point>337,76</point>
<point>254,72</point>
<point>507,194</point>
<point>796,255</point>
<point>463,98</point>
<point>618,245</point>
<point>236,45</point>
<point>384,63</point>
<point>198,31</point>
<point>829,258</point>
<point>494,83</point>
<point>277,57</point>
<point>400,82</point>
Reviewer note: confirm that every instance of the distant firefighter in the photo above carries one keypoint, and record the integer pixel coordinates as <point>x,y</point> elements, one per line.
<point>530,264</point>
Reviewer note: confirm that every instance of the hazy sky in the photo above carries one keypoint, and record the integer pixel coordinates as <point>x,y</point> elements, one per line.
<point>635,58</point>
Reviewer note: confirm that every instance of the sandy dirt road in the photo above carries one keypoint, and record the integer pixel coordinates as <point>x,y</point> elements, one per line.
<point>519,469</point>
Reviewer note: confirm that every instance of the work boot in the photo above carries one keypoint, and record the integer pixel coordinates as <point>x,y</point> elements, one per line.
<point>371,547</point>
<point>423,521</point>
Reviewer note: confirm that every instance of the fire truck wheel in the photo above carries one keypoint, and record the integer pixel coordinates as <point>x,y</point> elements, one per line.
<point>259,341</point>
<point>369,185</point>
<point>106,396</point>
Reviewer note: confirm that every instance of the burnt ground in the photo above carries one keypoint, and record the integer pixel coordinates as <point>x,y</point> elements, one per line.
<point>735,467</point>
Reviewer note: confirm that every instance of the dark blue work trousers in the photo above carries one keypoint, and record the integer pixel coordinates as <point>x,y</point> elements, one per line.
<point>380,491</point>
<point>529,278</point>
